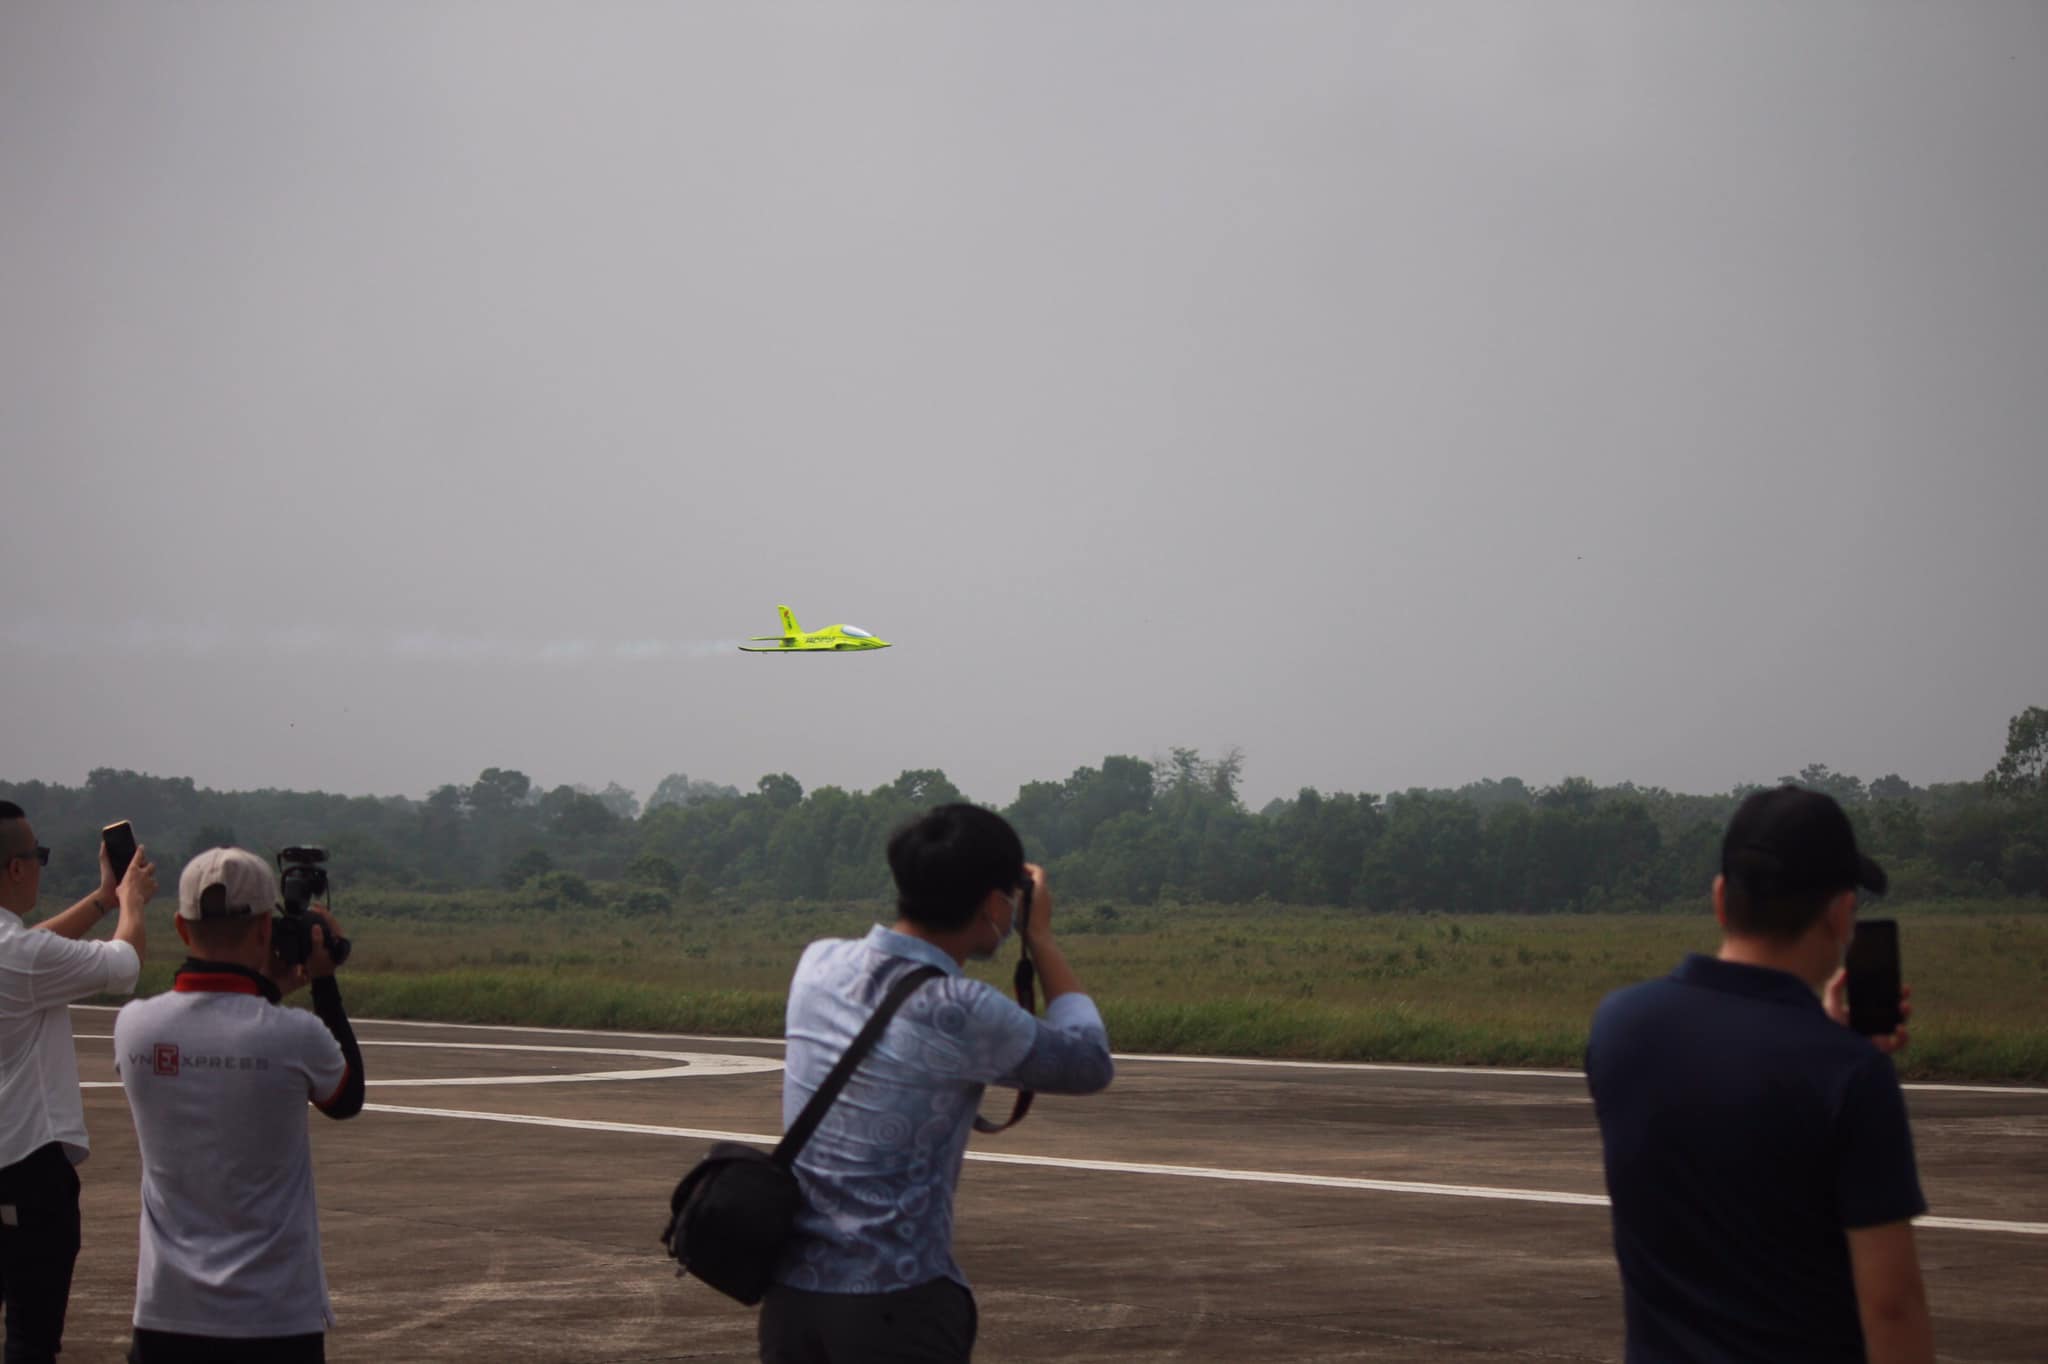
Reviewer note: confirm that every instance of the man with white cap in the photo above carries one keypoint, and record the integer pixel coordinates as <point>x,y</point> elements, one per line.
<point>218,1077</point>
<point>42,1120</point>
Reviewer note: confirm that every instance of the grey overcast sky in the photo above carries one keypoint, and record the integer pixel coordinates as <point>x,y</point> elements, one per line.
<point>1404,392</point>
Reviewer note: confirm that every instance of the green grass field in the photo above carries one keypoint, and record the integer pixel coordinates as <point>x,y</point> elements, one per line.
<point>1258,981</point>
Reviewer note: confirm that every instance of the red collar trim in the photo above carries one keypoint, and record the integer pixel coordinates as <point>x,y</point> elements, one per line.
<point>210,983</point>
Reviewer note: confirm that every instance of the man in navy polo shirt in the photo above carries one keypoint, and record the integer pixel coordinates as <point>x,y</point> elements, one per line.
<point>1758,1156</point>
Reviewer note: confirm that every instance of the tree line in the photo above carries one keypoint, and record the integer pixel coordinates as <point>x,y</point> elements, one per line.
<point>1127,831</point>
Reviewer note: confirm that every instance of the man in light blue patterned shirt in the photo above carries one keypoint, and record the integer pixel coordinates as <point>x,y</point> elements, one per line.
<point>869,1275</point>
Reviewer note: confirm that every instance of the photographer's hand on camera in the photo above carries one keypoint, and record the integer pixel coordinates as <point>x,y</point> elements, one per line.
<point>1055,977</point>
<point>320,967</point>
<point>1037,926</point>
<point>319,962</point>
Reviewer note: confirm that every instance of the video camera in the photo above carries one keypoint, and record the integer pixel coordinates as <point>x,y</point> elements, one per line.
<point>302,881</point>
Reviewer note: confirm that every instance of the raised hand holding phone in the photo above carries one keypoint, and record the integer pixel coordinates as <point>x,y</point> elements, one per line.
<point>1868,993</point>
<point>1872,966</point>
<point>119,841</point>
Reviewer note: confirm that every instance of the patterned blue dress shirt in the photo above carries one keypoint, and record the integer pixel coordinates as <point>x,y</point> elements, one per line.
<point>878,1175</point>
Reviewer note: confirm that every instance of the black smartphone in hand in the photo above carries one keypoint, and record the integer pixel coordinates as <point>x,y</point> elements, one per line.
<point>1874,984</point>
<point>120,841</point>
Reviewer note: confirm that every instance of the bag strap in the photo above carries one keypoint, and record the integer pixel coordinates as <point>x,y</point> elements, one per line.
<point>814,1112</point>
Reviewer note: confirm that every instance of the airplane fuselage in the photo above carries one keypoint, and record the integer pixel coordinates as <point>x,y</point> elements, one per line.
<point>831,639</point>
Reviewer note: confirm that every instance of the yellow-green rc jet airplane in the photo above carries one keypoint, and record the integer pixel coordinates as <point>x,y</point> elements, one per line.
<point>794,639</point>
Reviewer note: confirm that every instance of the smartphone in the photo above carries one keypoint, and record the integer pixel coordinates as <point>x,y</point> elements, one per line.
<point>1873,964</point>
<point>120,841</point>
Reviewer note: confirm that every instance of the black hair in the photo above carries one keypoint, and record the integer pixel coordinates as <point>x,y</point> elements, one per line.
<point>9,810</point>
<point>1757,909</point>
<point>948,859</point>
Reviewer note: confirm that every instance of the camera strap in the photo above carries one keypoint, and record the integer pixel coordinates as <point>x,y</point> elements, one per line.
<point>1025,982</point>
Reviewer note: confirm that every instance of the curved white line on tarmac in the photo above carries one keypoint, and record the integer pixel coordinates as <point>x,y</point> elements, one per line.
<point>1480,1191</point>
<point>686,1063</point>
<point>1254,1062</point>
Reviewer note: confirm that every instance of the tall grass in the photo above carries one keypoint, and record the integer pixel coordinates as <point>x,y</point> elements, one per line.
<point>1257,981</point>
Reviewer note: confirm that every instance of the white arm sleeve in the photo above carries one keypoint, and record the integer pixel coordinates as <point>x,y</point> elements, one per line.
<point>60,970</point>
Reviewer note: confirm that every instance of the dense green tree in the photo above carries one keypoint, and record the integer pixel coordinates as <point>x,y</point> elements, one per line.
<point>654,870</point>
<point>1429,857</point>
<point>211,836</point>
<point>678,789</point>
<point>497,790</point>
<point>1128,831</point>
<point>780,790</point>
<point>2023,771</point>
<point>523,868</point>
<point>2026,864</point>
<point>1819,777</point>
<point>567,813</point>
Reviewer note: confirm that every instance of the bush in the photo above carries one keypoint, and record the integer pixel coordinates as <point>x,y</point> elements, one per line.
<point>523,868</point>
<point>557,888</point>
<point>655,870</point>
<point>646,900</point>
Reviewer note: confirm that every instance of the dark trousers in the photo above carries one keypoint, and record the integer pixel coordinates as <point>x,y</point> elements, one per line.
<point>933,1323</point>
<point>38,1247</point>
<point>168,1347</point>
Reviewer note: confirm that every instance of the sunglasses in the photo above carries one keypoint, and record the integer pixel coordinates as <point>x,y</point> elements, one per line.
<point>40,853</point>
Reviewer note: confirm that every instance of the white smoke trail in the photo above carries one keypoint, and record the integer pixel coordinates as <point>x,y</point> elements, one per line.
<point>142,639</point>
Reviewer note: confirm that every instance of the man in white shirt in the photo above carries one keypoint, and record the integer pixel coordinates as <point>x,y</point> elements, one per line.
<point>218,1078</point>
<point>42,1121</point>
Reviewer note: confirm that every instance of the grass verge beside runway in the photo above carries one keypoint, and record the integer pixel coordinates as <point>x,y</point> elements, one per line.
<point>1280,982</point>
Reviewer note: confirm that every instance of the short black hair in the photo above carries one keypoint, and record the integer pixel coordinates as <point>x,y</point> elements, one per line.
<point>948,859</point>
<point>1756,913</point>
<point>9,812</point>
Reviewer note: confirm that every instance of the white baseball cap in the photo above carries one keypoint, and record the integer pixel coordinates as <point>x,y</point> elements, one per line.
<point>226,882</point>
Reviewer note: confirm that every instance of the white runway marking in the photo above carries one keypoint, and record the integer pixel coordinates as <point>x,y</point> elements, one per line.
<point>1248,1062</point>
<point>708,1063</point>
<point>684,1064</point>
<point>1479,1191</point>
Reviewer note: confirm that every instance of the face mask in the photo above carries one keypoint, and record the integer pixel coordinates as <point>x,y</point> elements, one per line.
<point>1003,935</point>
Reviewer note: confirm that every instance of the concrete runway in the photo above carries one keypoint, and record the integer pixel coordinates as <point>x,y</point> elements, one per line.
<point>502,1198</point>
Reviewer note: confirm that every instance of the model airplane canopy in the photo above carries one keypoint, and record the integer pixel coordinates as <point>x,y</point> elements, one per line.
<point>794,639</point>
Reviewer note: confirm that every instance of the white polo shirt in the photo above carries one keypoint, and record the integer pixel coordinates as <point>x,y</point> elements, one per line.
<point>219,1079</point>
<point>40,975</point>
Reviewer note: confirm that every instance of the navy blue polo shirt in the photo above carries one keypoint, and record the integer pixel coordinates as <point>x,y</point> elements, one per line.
<point>1744,1132</point>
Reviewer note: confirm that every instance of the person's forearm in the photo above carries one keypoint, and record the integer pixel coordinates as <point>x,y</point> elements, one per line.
<point>78,920</point>
<point>348,1100</point>
<point>133,925</point>
<point>1054,975</point>
<point>1905,1337</point>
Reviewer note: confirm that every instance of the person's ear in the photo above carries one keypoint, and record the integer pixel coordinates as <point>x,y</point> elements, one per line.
<point>184,929</point>
<point>1841,917</point>
<point>1721,902</point>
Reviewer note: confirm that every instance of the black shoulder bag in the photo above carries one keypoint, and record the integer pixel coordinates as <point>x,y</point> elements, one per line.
<point>731,1215</point>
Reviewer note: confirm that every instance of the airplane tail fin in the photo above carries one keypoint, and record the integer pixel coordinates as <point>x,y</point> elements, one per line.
<point>789,625</point>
